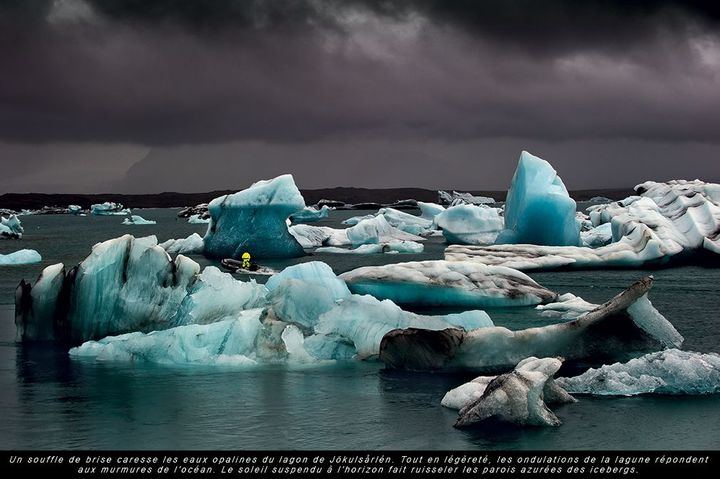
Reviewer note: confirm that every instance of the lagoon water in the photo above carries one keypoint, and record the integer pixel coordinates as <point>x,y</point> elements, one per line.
<point>48,401</point>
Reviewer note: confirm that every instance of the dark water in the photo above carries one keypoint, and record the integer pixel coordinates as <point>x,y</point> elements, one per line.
<point>49,401</point>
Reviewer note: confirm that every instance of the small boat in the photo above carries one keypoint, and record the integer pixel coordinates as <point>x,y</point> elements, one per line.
<point>236,266</point>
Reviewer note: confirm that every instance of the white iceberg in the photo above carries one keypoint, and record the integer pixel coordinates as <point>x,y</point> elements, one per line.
<point>567,306</point>
<point>109,209</point>
<point>313,236</point>
<point>406,222</point>
<point>254,221</point>
<point>198,220</point>
<point>519,397</point>
<point>11,227</point>
<point>470,224</point>
<point>138,220</point>
<point>23,256</point>
<point>310,214</point>
<point>390,247</point>
<point>664,372</point>
<point>456,198</point>
<point>598,236</point>
<point>538,209</point>
<point>429,211</point>
<point>193,244</point>
<point>445,283</point>
<point>75,209</point>
<point>377,230</point>
<point>620,329</point>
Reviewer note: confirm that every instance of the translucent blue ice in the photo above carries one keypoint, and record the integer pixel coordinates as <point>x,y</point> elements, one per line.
<point>310,214</point>
<point>24,256</point>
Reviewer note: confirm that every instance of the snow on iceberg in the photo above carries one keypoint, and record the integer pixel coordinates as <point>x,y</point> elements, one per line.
<point>445,283</point>
<point>519,397</point>
<point>126,284</point>
<point>23,256</point>
<point>193,244</point>
<point>310,214</point>
<point>620,329</point>
<point>390,247</point>
<point>109,209</point>
<point>538,209</point>
<point>470,224</point>
<point>11,227</point>
<point>665,372</point>
<point>254,220</point>
<point>666,220</point>
<point>378,230</point>
<point>138,220</point>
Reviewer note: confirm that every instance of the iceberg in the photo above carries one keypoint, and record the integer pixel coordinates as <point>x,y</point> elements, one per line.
<point>193,244</point>
<point>126,284</point>
<point>455,198</point>
<point>75,209</point>
<point>23,256</point>
<point>518,397</point>
<point>445,283</point>
<point>406,222</point>
<point>357,219</point>
<point>11,227</point>
<point>138,220</point>
<point>678,219</point>
<point>622,328</point>
<point>538,209</point>
<point>198,220</point>
<point>598,236</point>
<point>568,306</point>
<point>313,236</point>
<point>377,230</point>
<point>664,372</point>
<point>391,247</point>
<point>429,211</point>
<point>310,214</point>
<point>254,221</point>
<point>470,224</point>
<point>109,209</point>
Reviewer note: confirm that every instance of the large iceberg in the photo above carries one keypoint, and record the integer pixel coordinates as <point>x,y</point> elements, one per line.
<point>538,209</point>
<point>127,284</point>
<point>10,227</point>
<point>310,214</point>
<point>470,224</point>
<point>23,256</point>
<point>109,209</point>
<point>664,372</point>
<point>445,283</point>
<point>620,329</point>
<point>138,220</point>
<point>254,221</point>
<point>678,219</point>
<point>193,244</point>
<point>519,397</point>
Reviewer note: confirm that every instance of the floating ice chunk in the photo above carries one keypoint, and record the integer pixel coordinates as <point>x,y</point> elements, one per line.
<point>11,227</point>
<point>330,346</point>
<point>357,219</point>
<point>445,283</point>
<point>138,220</point>
<point>405,221</point>
<point>598,236</point>
<point>470,224</point>
<point>193,244</point>
<point>538,209</point>
<point>75,209</point>
<point>198,220</point>
<point>23,256</point>
<point>253,220</point>
<point>313,272</point>
<point>600,199</point>
<point>314,236</point>
<point>364,321</point>
<point>568,306</point>
<point>429,211</point>
<point>391,247</point>
<point>310,214</point>
<point>609,333</point>
<point>665,372</point>
<point>377,230</point>
<point>517,397</point>
<point>109,209</point>
<point>455,198</point>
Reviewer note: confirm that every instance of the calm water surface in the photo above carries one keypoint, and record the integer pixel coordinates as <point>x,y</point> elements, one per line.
<point>49,401</point>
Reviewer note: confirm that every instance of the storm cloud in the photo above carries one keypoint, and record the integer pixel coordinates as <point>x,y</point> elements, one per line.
<point>273,77</point>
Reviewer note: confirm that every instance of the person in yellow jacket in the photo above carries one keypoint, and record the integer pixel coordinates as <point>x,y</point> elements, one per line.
<point>246,260</point>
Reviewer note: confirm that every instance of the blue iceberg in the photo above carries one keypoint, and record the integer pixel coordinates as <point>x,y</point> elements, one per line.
<point>138,220</point>
<point>470,224</point>
<point>11,227</point>
<point>310,214</point>
<point>23,256</point>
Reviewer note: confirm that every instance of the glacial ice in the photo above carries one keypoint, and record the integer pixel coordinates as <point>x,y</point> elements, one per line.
<point>109,209</point>
<point>75,209</point>
<point>455,198</point>
<point>598,236</point>
<point>663,221</point>
<point>352,221</point>
<point>377,230</point>
<point>138,220</point>
<point>429,211</point>
<point>193,244</point>
<point>406,222</point>
<point>313,272</point>
<point>11,227</point>
<point>618,330</point>
<point>23,256</point>
<point>665,372</point>
<point>254,220</point>
<point>127,284</point>
<point>198,220</point>
<point>470,224</point>
<point>390,247</point>
<point>538,209</point>
<point>519,397</point>
<point>567,306</point>
<point>445,283</point>
<point>310,214</point>
<point>313,236</point>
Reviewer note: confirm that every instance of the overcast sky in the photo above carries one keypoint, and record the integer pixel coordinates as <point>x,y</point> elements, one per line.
<point>192,95</point>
